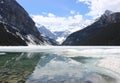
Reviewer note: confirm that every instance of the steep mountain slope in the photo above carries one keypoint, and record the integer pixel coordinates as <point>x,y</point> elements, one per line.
<point>43,30</point>
<point>12,14</point>
<point>58,36</point>
<point>9,36</point>
<point>105,31</point>
<point>47,35</point>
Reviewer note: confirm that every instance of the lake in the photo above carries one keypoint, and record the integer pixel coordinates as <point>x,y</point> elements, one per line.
<point>59,64</point>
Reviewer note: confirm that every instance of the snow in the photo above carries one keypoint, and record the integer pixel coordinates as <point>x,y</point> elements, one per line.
<point>31,41</point>
<point>9,31</point>
<point>60,39</point>
<point>67,50</point>
<point>30,38</point>
<point>19,35</point>
<point>38,25</point>
<point>67,29</point>
<point>110,63</point>
<point>87,52</point>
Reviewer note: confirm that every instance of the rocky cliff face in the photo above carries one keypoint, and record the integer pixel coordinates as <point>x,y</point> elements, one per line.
<point>15,16</point>
<point>9,36</point>
<point>105,31</point>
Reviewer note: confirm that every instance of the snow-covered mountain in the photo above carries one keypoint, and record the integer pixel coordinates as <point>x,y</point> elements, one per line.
<point>105,31</point>
<point>60,35</point>
<point>16,26</point>
<point>44,31</point>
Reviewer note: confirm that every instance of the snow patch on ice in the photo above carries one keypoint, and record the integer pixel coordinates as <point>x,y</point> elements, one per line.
<point>87,52</point>
<point>110,63</point>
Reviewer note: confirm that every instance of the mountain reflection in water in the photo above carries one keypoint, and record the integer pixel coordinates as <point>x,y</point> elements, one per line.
<point>47,68</point>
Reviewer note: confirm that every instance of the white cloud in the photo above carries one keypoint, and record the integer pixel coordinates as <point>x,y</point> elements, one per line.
<point>56,23</point>
<point>72,12</point>
<point>51,15</point>
<point>97,7</point>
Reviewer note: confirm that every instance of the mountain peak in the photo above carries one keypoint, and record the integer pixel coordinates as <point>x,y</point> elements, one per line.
<point>105,31</point>
<point>108,12</point>
<point>109,17</point>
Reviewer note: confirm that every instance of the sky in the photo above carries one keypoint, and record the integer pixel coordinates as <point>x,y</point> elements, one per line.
<point>58,15</point>
<point>57,7</point>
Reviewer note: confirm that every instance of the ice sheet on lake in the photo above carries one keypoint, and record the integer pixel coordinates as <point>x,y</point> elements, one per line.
<point>110,63</point>
<point>68,50</point>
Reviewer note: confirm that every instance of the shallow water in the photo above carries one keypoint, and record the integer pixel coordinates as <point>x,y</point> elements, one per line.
<point>59,65</point>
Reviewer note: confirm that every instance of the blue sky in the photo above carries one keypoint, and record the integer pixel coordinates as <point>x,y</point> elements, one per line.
<point>59,15</point>
<point>57,7</point>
